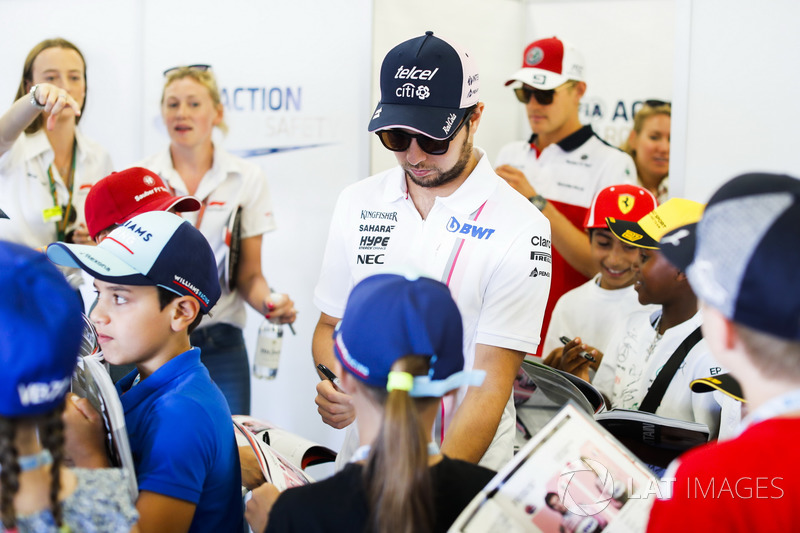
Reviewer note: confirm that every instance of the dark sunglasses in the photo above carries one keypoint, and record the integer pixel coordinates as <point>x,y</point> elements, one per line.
<point>399,140</point>
<point>201,68</point>
<point>656,103</point>
<point>524,94</point>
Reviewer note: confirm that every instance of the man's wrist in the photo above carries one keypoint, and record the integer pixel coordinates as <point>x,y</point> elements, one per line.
<point>34,102</point>
<point>538,201</point>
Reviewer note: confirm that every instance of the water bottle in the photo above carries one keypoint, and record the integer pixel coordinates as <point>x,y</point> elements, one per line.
<point>268,350</point>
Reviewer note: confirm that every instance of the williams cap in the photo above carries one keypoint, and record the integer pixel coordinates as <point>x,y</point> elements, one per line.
<point>154,248</point>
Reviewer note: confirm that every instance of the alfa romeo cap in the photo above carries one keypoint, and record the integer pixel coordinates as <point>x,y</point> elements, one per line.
<point>154,248</point>
<point>548,63</point>
<point>622,202</point>
<point>40,332</point>
<point>389,316</point>
<point>427,85</point>
<point>122,195</point>
<point>742,257</point>
<point>648,230</point>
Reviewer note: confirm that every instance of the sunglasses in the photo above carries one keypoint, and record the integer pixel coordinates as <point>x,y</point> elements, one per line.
<point>399,141</point>
<point>524,94</point>
<point>201,68</point>
<point>656,103</point>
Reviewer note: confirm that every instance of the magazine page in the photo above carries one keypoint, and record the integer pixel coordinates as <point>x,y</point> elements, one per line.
<point>276,468</point>
<point>540,391</point>
<point>654,439</point>
<point>299,450</point>
<point>91,381</point>
<point>572,476</point>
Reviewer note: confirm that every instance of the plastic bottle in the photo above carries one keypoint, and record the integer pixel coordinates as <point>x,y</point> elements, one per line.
<point>268,348</point>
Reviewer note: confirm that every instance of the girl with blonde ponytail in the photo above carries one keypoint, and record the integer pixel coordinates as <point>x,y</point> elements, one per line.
<point>399,350</point>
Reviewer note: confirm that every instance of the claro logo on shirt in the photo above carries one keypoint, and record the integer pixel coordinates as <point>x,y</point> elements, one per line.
<point>469,230</point>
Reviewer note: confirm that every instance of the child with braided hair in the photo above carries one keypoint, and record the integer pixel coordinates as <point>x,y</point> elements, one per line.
<point>40,333</point>
<point>398,350</point>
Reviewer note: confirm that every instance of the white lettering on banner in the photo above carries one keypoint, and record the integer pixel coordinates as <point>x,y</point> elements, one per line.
<point>414,73</point>
<point>38,393</point>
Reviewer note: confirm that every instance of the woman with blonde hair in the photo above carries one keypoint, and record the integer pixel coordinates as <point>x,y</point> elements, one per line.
<point>648,145</point>
<point>47,166</point>
<point>231,190</point>
<point>396,364</point>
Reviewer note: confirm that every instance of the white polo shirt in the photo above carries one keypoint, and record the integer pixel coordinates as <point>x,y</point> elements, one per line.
<point>230,183</point>
<point>485,241</point>
<point>591,313</point>
<point>569,174</point>
<point>632,361</point>
<point>25,186</point>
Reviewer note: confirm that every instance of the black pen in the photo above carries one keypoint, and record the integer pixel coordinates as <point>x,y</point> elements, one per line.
<point>588,357</point>
<point>329,375</point>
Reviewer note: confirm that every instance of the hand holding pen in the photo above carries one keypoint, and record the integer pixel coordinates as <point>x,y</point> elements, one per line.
<point>333,403</point>
<point>329,375</point>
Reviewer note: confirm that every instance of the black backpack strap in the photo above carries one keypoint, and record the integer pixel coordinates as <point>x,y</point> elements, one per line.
<point>652,400</point>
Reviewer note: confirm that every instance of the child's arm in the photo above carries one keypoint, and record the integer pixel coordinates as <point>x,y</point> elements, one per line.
<point>159,513</point>
<point>84,434</point>
<point>575,363</point>
<point>259,506</point>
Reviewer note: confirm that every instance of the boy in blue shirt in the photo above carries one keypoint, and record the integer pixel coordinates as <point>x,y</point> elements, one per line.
<point>155,277</point>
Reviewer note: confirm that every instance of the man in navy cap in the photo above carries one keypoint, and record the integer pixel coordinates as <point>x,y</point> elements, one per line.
<point>444,213</point>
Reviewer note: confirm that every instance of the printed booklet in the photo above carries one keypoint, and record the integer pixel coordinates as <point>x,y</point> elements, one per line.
<point>92,381</point>
<point>654,439</point>
<point>540,391</point>
<point>573,476</point>
<point>282,456</point>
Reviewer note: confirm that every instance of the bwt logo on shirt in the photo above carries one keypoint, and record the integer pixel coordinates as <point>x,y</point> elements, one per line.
<point>453,226</point>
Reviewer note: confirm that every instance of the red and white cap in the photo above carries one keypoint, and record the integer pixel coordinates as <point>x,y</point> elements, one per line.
<point>122,195</point>
<point>548,63</point>
<point>621,202</point>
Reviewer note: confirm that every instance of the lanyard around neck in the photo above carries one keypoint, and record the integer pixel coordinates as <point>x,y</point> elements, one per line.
<point>66,211</point>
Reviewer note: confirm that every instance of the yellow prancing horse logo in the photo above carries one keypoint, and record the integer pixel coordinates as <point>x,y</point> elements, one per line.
<point>625,203</point>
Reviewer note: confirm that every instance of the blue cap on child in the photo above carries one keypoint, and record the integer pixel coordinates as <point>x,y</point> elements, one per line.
<point>389,316</point>
<point>40,332</point>
<point>154,248</point>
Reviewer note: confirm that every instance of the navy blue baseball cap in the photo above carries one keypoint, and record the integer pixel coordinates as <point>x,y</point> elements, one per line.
<point>154,248</point>
<point>427,85</point>
<point>40,332</point>
<point>389,316</point>
<point>741,257</point>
